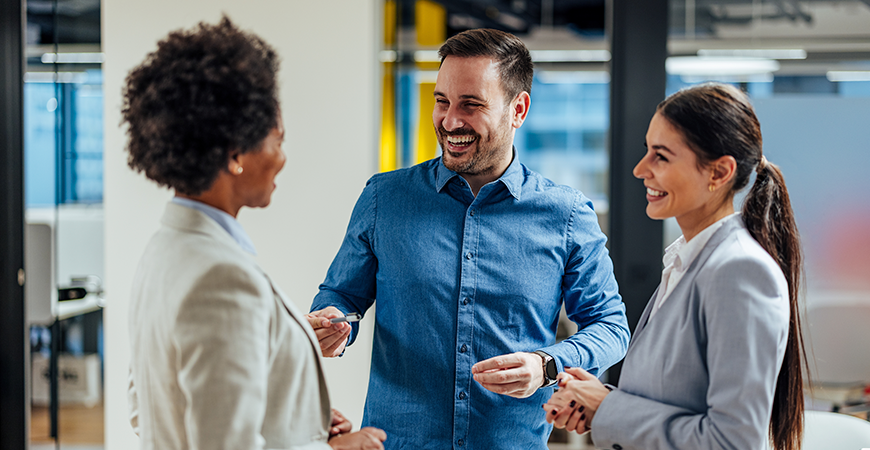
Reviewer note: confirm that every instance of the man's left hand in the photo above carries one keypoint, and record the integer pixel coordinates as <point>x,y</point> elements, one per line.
<point>517,374</point>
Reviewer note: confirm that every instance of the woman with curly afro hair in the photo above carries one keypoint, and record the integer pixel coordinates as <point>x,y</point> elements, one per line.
<point>220,358</point>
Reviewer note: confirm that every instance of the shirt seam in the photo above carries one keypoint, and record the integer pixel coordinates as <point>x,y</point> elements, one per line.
<point>569,240</point>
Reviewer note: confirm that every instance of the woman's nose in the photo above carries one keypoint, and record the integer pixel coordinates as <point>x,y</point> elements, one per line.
<point>640,170</point>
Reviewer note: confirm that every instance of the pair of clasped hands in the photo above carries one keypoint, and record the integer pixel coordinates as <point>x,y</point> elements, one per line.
<point>577,400</point>
<point>517,375</point>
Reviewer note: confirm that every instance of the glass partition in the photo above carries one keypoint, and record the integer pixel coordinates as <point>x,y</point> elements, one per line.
<point>806,66</point>
<point>63,234</point>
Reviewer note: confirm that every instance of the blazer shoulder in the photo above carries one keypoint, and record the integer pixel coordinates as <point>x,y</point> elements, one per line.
<point>740,270</point>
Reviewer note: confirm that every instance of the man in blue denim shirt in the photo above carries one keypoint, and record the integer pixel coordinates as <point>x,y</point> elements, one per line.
<point>470,257</point>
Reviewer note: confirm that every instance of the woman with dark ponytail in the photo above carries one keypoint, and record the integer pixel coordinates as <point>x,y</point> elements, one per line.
<point>715,362</point>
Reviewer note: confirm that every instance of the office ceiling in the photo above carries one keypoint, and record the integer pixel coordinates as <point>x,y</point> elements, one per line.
<point>829,30</point>
<point>832,32</point>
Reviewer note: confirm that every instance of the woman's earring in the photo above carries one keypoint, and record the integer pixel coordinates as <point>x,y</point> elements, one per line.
<point>239,170</point>
<point>711,187</point>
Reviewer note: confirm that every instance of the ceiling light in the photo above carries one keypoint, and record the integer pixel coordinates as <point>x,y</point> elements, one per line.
<point>388,56</point>
<point>72,58</point>
<point>848,75</point>
<point>719,66</point>
<point>573,77</point>
<point>770,53</point>
<point>426,56</point>
<point>570,55</point>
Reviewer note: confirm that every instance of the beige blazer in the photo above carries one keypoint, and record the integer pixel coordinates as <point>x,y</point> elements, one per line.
<point>220,359</point>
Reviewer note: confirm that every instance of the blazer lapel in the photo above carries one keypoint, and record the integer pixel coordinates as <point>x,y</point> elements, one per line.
<point>724,231</point>
<point>641,324</point>
<point>326,417</point>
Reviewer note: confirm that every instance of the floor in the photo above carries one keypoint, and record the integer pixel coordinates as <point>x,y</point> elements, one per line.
<point>80,428</point>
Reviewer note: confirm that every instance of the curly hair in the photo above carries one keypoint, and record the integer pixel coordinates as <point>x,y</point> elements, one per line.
<point>205,92</point>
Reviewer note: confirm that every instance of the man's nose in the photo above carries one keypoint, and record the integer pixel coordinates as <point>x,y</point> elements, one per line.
<point>452,121</point>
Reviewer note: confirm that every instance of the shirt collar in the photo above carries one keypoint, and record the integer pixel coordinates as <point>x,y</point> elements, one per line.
<point>687,251</point>
<point>512,178</point>
<point>226,221</point>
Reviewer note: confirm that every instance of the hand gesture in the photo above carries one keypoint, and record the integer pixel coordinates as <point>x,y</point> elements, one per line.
<point>517,374</point>
<point>332,336</point>
<point>366,439</point>
<point>574,405</point>
<point>340,424</point>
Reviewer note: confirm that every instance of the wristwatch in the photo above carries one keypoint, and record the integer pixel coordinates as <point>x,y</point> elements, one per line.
<point>549,367</point>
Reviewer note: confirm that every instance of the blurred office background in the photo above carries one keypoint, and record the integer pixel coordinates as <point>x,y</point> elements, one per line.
<point>356,87</point>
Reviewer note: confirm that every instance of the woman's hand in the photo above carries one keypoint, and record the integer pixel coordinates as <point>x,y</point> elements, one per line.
<point>366,439</point>
<point>340,424</point>
<point>575,404</point>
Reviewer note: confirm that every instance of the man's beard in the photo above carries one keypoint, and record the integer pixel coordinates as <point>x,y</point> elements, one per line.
<point>486,155</point>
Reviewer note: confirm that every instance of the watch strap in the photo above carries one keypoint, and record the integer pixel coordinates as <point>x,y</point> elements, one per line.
<point>548,367</point>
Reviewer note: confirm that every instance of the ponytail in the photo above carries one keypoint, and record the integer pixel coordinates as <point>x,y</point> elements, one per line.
<point>769,218</point>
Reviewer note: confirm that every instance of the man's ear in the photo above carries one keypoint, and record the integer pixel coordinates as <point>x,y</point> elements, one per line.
<point>722,171</point>
<point>520,109</point>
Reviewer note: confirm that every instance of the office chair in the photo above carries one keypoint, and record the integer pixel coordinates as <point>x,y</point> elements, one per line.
<point>829,431</point>
<point>837,337</point>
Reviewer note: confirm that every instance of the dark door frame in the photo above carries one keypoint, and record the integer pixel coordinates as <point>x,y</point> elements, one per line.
<point>14,351</point>
<point>639,37</point>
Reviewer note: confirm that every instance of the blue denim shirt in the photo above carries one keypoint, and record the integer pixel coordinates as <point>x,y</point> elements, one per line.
<point>460,279</point>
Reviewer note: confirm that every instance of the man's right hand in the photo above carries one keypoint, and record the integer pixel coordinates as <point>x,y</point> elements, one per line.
<point>368,438</point>
<point>332,336</point>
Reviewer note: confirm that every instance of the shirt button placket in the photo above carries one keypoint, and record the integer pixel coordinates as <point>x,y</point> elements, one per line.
<point>463,330</point>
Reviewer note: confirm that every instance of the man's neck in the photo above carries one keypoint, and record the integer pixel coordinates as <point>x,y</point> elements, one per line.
<point>477,181</point>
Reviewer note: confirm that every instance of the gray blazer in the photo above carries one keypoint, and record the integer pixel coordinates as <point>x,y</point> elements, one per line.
<point>701,373</point>
<point>220,359</point>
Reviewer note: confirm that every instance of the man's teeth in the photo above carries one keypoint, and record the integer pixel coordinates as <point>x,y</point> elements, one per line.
<point>655,193</point>
<point>460,140</point>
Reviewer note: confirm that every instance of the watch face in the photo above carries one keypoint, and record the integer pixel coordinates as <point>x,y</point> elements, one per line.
<point>551,369</point>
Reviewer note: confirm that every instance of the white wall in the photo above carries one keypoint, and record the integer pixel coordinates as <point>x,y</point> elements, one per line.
<point>330,99</point>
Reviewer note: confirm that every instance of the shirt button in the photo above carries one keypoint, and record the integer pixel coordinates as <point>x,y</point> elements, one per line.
<point>463,349</point>
<point>462,396</point>
<point>471,213</point>
<point>460,442</point>
<point>465,301</point>
<point>468,255</point>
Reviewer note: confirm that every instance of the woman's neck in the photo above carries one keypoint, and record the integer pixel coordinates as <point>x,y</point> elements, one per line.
<point>691,226</point>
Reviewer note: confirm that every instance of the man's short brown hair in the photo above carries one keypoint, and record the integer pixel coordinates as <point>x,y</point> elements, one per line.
<point>510,53</point>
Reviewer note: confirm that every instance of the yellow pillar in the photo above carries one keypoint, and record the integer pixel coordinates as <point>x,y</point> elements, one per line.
<point>430,18</point>
<point>388,148</point>
<point>431,22</point>
<point>427,144</point>
<point>388,160</point>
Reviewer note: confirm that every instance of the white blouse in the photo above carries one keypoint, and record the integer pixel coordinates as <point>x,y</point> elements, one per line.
<point>677,259</point>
